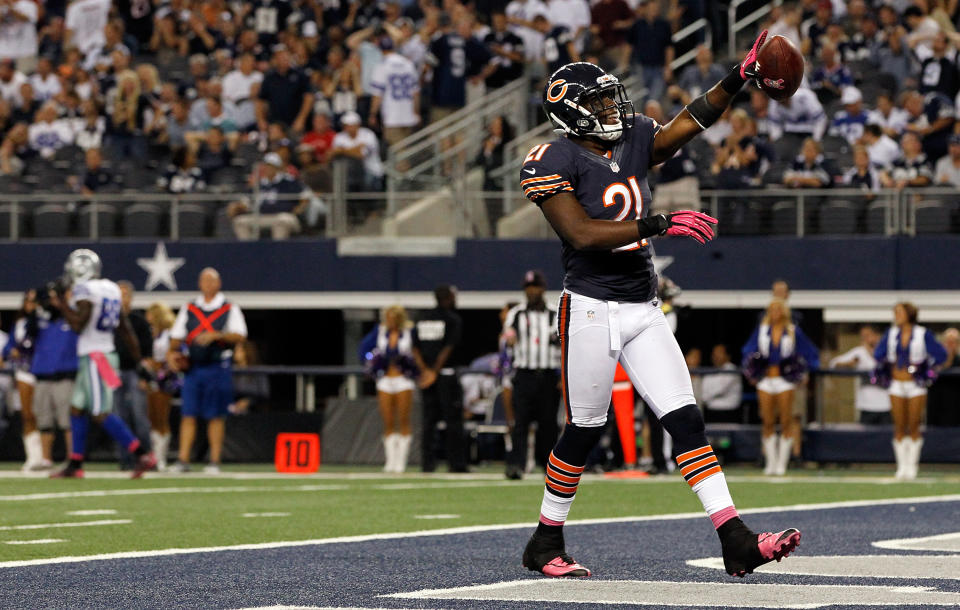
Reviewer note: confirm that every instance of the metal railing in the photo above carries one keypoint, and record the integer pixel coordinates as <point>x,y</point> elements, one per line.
<point>686,32</point>
<point>737,26</point>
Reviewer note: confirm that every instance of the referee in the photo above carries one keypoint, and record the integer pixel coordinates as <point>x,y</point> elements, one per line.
<point>531,329</point>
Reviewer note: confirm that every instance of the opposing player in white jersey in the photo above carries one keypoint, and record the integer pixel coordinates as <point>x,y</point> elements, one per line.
<point>591,185</point>
<point>94,312</point>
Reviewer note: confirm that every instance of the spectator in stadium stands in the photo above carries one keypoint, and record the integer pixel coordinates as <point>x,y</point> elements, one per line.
<point>277,204</point>
<point>320,137</point>
<point>862,175</point>
<point>314,174</point>
<point>944,394</point>
<point>89,131</point>
<point>912,169</point>
<point>412,41</point>
<point>360,144</point>
<point>216,115</point>
<point>864,43</point>
<point>437,336</point>
<point>529,330</point>
<point>573,15</point>
<point>720,394</point>
<point>131,397</point>
<point>14,149</point>
<point>760,111</point>
<point>698,77</point>
<point>182,175</point>
<point>95,176</point>
<point>810,169</point>
<point>908,352</point>
<point>801,116</point>
<point>923,30</point>
<point>651,48</point>
<point>387,352</point>
<point>520,14</point>
<point>558,47</point>
<point>883,149</point>
<point>894,57</point>
<point>209,327</point>
<point>54,365</point>
<point>45,83</point>
<point>787,20</point>
<point>241,87</point>
<point>491,156</point>
<point>939,72</point>
<point>742,158</point>
<point>18,33</point>
<point>832,76</point>
<point>814,28</point>
<point>932,117</point>
<point>447,55</point>
<point>112,41</point>
<point>166,384</point>
<point>6,117</point>
<point>51,37</point>
<point>85,23</point>
<point>610,23</point>
<point>849,122</point>
<point>396,94</point>
<point>872,403</point>
<point>285,95</point>
<point>675,180</point>
<point>363,47</point>
<point>776,358</point>
<point>507,49</point>
<point>344,87</point>
<point>214,153</point>
<point>947,170</point>
<point>11,80</point>
<point>176,126</point>
<point>28,106</point>
<point>131,113</point>
<point>49,134</point>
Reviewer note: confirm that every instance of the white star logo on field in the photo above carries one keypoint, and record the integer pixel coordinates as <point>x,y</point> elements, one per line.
<point>160,268</point>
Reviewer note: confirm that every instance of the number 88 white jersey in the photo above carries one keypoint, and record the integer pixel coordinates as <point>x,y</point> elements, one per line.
<point>104,297</point>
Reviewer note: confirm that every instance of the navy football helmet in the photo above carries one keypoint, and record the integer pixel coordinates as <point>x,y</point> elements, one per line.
<point>580,96</point>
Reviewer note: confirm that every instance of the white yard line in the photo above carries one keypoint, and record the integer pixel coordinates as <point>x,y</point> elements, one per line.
<point>58,495</point>
<point>37,541</point>
<point>43,526</point>
<point>443,516</point>
<point>90,513</point>
<point>463,530</point>
<point>266,514</point>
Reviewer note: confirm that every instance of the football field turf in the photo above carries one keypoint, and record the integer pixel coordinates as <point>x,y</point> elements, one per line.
<point>255,522</point>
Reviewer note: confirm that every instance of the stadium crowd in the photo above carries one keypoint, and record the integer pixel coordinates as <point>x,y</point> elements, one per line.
<point>188,97</point>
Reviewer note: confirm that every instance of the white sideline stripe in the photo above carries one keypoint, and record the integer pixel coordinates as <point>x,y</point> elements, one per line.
<point>37,541</point>
<point>57,495</point>
<point>436,516</point>
<point>43,526</point>
<point>469,529</point>
<point>915,544</point>
<point>90,513</point>
<point>266,514</point>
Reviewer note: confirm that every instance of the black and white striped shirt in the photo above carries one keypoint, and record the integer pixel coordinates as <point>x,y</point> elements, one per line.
<point>537,346</point>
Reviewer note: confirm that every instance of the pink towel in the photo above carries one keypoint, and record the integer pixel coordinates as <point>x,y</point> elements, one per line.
<point>107,373</point>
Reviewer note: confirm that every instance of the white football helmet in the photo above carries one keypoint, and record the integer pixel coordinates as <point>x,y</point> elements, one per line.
<point>82,265</point>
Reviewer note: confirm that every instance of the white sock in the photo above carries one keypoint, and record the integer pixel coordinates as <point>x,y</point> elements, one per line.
<point>786,443</point>
<point>770,454</point>
<point>33,447</point>
<point>403,451</point>
<point>561,487</point>
<point>388,451</point>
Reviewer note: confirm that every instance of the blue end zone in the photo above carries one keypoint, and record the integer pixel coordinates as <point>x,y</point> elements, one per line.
<point>359,574</point>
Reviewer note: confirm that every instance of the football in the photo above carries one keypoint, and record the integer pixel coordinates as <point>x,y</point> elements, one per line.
<point>779,68</point>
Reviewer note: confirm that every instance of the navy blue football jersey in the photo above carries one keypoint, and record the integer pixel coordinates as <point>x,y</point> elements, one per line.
<point>612,187</point>
<point>555,50</point>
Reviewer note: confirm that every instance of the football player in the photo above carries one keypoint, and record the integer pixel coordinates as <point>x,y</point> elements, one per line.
<point>591,184</point>
<point>93,311</point>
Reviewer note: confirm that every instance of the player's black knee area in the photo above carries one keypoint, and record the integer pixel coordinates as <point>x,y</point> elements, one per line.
<point>49,430</point>
<point>686,427</point>
<point>576,442</point>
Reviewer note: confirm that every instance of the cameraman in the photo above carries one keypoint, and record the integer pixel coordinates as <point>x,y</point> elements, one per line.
<point>54,364</point>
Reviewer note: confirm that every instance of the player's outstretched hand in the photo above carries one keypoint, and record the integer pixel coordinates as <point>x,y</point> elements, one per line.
<point>687,223</point>
<point>748,65</point>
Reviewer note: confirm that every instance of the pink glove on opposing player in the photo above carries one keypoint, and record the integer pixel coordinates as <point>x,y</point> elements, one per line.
<point>747,67</point>
<point>687,223</point>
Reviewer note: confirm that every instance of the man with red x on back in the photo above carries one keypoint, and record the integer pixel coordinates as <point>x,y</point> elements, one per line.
<point>209,326</point>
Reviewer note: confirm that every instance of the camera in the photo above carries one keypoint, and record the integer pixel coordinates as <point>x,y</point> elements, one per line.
<point>59,286</point>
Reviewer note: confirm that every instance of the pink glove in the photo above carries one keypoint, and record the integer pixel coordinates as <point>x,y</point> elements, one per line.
<point>747,68</point>
<point>687,223</point>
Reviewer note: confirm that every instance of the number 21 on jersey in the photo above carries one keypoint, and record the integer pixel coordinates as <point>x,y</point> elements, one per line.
<point>631,198</point>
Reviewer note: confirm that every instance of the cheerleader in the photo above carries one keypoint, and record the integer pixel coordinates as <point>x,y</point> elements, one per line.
<point>161,318</point>
<point>907,354</point>
<point>19,352</point>
<point>387,352</point>
<point>776,358</point>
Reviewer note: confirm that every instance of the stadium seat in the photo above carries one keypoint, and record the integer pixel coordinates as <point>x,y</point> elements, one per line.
<point>774,173</point>
<point>229,179</point>
<point>223,225</point>
<point>106,220</point>
<point>838,149</point>
<point>933,217</point>
<point>51,220</point>
<point>192,220</point>
<point>68,157</point>
<point>838,217</point>
<point>783,218</point>
<point>876,217</point>
<point>142,220</point>
<point>787,147</point>
<point>245,155</point>
<point>739,218</point>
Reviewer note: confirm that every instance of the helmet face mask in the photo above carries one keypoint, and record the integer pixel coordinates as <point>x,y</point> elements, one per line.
<point>584,101</point>
<point>82,265</point>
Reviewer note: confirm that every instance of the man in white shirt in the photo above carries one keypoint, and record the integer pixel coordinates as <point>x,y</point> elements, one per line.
<point>721,392</point>
<point>872,402</point>
<point>45,83</point>
<point>18,32</point>
<point>10,82</point>
<point>85,23</point>
<point>240,87</point>
<point>49,134</point>
<point>574,15</point>
<point>891,119</point>
<point>396,94</point>
<point>947,170</point>
<point>883,149</point>
<point>520,14</point>
<point>800,115</point>
<point>359,143</point>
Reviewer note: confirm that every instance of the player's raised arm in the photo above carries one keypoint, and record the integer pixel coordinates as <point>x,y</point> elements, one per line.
<point>704,111</point>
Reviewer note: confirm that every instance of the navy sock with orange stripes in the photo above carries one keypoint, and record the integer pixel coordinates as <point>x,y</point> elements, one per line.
<point>564,467</point>
<point>698,464</point>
